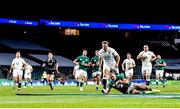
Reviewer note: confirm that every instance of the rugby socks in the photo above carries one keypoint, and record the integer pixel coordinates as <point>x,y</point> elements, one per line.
<point>104,82</point>
<point>25,83</point>
<point>50,84</point>
<point>19,85</point>
<point>77,83</point>
<point>81,84</point>
<point>157,82</point>
<point>31,83</point>
<point>147,82</point>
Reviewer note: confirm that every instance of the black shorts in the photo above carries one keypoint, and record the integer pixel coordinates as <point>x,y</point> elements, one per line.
<point>50,72</point>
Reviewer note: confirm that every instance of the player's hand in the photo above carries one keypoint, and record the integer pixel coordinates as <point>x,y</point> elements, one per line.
<point>117,65</point>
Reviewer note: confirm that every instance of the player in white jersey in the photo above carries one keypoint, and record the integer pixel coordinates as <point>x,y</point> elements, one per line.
<point>127,66</point>
<point>27,75</point>
<point>146,57</point>
<point>110,59</point>
<point>17,66</point>
<point>75,71</point>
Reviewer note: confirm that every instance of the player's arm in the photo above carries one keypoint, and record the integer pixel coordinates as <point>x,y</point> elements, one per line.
<point>57,65</point>
<point>133,64</point>
<point>24,65</point>
<point>12,66</point>
<point>123,65</point>
<point>153,57</point>
<point>88,64</point>
<point>44,64</point>
<point>123,81</point>
<point>117,60</point>
<point>92,63</point>
<point>140,56</point>
<point>76,61</point>
<point>117,57</point>
<point>31,69</point>
<point>109,87</point>
<point>100,63</point>
<point>162,65</point>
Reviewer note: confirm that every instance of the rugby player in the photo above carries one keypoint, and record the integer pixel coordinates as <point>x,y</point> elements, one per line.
<point>160,64</point>
<point>127,66</point>
<point>96,74</point>
<point>146,57</point>
<point>84,62</point>
<point>110,59</point>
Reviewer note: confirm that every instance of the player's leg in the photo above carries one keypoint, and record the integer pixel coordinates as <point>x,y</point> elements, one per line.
<point>49,79</point>
<point>143,73</point>
<point>26,79</point>
<point>106,70</point>
<point>157,78</point>
<point>30,80</point>
<point>15,80</point>
<point>20,73</point>
<point>84,79</point>
<point>142,87</point>
<point>148,75</point>
<point>161,77</point>
<point>131,75</point>
<point>98,81</point>
<point>127,75</point>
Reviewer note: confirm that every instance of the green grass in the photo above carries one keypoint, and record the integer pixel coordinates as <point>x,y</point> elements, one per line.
<point>71,97</point>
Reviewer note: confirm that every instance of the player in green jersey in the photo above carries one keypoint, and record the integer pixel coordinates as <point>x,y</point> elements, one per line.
<point>160,64</point>
<point>84,62</point>
<point>96,74</point>
<point>122,84</point>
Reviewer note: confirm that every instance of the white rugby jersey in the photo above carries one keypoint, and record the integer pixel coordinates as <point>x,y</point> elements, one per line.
<point>18,63</point>
<point>108,56</point>
<point>28,68</point>
<point>146,62</point>
<point>128,63</point>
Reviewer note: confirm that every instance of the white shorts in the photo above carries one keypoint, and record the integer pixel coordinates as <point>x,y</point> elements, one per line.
<point>94,74</point>
<point>159,73</point>
<point>108,68</point>
<point>131,88</point>
<point>129,73</point>
<point>27,75</point>
<point>146,70</point>
<point>17,73</point>
<point>80,73</point>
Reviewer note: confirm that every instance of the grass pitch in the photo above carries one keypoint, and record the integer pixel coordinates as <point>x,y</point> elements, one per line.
<point>71,97</point>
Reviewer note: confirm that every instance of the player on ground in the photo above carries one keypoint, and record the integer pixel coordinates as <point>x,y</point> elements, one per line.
<point>127,66</point>
<point>110,59</point>
<point>27,75</point>
<point>122,84</point>
<point>96,74</point>
<point>17,66</point>
<point>51,66</point>
<point>84,62</point>
<point>160,64</point>
<point>146,57</point>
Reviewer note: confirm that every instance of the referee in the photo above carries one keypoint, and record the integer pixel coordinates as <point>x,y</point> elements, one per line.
<point>51,65</point>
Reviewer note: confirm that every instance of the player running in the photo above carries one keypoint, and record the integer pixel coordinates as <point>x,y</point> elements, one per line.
<point>27,75</point>
<point>146,57</point>
<point>51,66</point>
<point>76,67</point>
<point>17,67</point>
<point>96,74</point>
<point>127,66</point>
<point>123,85</point>
<point>84,62</point>
<point>110,59</point>
<point>160,64</point>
